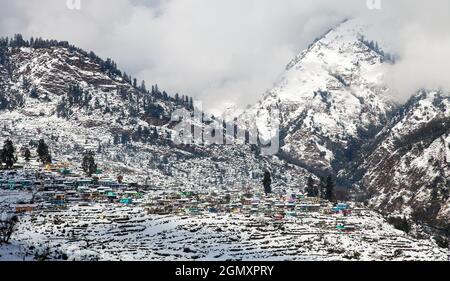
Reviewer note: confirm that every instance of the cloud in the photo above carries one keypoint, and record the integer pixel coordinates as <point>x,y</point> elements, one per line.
<point>232,51</point>
<point>417,31</point>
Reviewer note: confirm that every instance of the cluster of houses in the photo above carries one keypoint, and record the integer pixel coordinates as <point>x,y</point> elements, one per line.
<point>56,186</point>
<point>274,206</point>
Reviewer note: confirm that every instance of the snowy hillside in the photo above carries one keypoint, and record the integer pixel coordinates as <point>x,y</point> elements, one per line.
<point>408,172</point>
<point>78,102</point>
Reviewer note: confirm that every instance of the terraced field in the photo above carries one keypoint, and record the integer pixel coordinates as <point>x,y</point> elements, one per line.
<point>106,232</point>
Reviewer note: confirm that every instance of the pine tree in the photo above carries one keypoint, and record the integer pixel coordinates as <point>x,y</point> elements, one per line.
<point>43,152</point>
<point>116,139</point>
<point>125,139</point>
<point>34,93</point>
<point>267,181</point>
<point>7,154</point>
<point>89,165</point>
<point>311,189</point>
<point>405,225</point>
<point>27,154</point>
<point>329,189</point>
<point>143,88</point>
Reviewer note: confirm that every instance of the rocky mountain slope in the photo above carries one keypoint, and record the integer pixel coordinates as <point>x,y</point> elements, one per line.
<point>78,102</point>
<point>408,171</point>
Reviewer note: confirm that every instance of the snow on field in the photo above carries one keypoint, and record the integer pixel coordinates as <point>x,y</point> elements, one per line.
<point>110,232</point>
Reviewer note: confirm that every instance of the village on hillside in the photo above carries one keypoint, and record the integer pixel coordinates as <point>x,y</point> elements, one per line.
<point>58,184</point>
<point>61,185</point>
<point>72,211</point>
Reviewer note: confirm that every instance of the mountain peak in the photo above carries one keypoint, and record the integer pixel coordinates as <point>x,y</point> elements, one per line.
<point>348,31</point>
<point>330,95</point>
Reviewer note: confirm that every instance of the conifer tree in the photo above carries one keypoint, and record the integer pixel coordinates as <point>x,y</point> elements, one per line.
<point>27,154</point>
<point>311,189</point>
<point>43,152</point>
<point>329,189</point>
<point>89,165</point>
<point>267,181</point>
<point>7,154</point>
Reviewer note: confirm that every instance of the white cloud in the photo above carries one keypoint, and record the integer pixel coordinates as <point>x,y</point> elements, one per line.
<point>232,50</point>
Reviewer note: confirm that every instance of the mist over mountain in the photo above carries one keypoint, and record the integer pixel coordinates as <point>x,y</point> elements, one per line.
<point>231,52</point>
<point>78,102</point>
<point>336,114</point>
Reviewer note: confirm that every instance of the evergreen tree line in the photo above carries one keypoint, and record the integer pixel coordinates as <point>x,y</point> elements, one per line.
<point>107,66</point>
<point>142,134</point>
<point>8,156</point>
<point>75,97</point>
<point>373,45</point>
<point>8,153</point>
<point>138,103</point>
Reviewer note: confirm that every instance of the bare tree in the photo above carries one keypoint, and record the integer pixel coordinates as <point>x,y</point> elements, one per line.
<point>7,228</point>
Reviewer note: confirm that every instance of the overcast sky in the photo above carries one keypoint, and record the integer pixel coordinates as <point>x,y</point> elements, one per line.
<point>232,51</point>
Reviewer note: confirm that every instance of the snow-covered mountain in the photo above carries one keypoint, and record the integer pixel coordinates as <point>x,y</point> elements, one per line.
<point>334,111</point>
<point>330,98</point>
<point>408,170</point>
<point>78,102</point>
<point>337,115</point>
